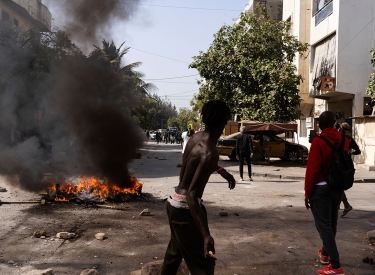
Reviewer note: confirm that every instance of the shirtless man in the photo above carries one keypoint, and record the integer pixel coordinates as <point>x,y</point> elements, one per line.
<point>190,235</point>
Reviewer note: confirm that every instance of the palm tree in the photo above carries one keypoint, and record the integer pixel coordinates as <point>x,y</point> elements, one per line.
<point>113,55</point>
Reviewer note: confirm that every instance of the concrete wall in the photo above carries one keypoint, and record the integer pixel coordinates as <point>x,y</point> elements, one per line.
<point>325,28</point>
<point>25,21</point>
<point>355,39</point>
<point>274,7</point>
<point>364,135</point>
<point>352,22</point>
<point>299,13</point>
<point>37,11</point>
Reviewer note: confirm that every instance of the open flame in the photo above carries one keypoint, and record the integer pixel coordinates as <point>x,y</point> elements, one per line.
<point>93,189</point>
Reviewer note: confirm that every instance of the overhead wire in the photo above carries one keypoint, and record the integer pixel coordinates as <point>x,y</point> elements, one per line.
<point>149,79</point>
<point>177,7</point>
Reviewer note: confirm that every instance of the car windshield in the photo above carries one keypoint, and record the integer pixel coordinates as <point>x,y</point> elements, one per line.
<point>234,136</point>
<point>272,138</point>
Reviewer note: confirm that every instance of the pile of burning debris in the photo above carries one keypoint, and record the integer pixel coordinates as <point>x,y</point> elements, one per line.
<point>88,191</point>
<point>92,190</point>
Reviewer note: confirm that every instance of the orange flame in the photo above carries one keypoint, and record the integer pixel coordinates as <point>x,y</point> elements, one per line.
<point>93,188</point>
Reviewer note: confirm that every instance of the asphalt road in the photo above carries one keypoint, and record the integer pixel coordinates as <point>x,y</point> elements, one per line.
<point>267,231</point>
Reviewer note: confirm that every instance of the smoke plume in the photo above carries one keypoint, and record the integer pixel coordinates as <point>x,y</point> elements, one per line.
<point>71,118</point>
<point>89,21</point>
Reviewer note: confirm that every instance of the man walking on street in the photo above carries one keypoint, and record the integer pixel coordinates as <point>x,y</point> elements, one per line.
<point>190,235</point>
<point>324,201</point>
<point>244,150</point>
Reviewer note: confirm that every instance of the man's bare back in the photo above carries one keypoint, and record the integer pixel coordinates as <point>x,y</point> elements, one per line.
<point>190,235</point>
<point>201,154</point>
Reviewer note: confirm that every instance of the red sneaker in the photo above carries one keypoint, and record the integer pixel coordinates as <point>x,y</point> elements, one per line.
<point>329,270</point>
<point>323,259</point>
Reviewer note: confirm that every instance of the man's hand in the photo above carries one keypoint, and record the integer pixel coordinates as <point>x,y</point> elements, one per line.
<point>229,177</point>
<point>251,155</point>
<point>209,248</point>
<point>238,157</point>
<point>307,203</point>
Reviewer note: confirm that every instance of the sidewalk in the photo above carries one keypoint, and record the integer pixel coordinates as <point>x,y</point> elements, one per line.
<point>286,170</point>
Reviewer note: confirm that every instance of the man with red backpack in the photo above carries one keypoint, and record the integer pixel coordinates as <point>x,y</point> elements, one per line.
<point>324,200</point>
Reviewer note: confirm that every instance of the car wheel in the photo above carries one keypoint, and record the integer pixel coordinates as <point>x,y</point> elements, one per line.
<point>293,155</point>
<point>233,156</point>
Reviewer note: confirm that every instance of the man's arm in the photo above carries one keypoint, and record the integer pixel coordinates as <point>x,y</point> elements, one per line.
<point>355,147</point>
<point>228,176</point>
<point>250,145</point>
<point>207,165</point>
<point>314,166</point>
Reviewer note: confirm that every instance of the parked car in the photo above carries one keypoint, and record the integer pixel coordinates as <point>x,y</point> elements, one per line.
<point>152,135</point>
<point>278,147</point>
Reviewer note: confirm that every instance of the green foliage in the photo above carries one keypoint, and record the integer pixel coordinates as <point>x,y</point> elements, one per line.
<point>184,117</point>
<point>370,90</point>
<point>250,66</point>
<point>154,112</point>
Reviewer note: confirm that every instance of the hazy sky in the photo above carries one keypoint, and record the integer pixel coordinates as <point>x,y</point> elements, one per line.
<point>173,29</point>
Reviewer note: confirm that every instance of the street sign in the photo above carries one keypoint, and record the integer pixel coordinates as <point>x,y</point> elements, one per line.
<point>328,84</point>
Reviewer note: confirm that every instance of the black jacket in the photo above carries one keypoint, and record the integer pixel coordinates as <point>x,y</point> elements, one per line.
<point>244,144</point>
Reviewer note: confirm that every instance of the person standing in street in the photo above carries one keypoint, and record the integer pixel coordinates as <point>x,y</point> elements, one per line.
<point>324,201</point>
<point>244,151</point>
<point>187,135</point>
<point>190,236</point>
<point>353,150</point>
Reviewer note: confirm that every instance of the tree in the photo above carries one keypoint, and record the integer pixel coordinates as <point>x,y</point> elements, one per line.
<point>370,90</point>
<point>110,53</point>
<point>184,117</point>
<point>153,110</point>
<point>250,66</point>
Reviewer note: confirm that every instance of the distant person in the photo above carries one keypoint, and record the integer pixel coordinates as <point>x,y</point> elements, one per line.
<point>353,150</point>
<point>187,135</point>
<point>166,136</point>
<point>244,150</point>
<point>158,136</point>
<point>190,236</point>
<point>148,135</point>
<point>324,201</point>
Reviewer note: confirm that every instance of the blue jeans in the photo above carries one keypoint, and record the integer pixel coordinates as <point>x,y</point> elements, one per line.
<point>325,204</point>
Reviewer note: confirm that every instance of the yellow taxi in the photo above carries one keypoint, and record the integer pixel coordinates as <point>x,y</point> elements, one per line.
<point>271,146</point>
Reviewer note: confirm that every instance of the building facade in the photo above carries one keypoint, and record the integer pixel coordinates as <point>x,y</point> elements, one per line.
<point>274,7</point>
<point>299,13</point>
<point>341,37</point>
<point>26,14</point>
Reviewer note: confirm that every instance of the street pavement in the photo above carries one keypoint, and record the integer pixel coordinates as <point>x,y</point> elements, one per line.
<point>277,168</point>
<point>267,229</point>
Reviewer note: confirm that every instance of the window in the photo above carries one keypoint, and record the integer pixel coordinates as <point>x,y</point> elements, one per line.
<point>324,8</point>
<point>367,106</point>
<point>321,3</point>
<point>4,16</point>
<point>302,128</point>
<point>15,22</point>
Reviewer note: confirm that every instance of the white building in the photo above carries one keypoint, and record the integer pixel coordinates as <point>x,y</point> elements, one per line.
<point>341,37</point>
<point>274,7</point>
<point>26,14</point>
<point>299,14</point>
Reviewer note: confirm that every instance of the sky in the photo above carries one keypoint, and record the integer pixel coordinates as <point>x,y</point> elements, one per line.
<point>164,35</point>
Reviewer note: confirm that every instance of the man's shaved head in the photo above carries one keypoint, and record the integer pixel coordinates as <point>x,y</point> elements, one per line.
<point>326,120</point>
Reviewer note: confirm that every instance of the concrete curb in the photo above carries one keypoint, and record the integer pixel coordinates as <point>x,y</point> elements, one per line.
<point>275,176</point>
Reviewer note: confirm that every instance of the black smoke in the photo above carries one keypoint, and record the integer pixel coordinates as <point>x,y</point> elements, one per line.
<point>89,21</point>
<point>63,114</point>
